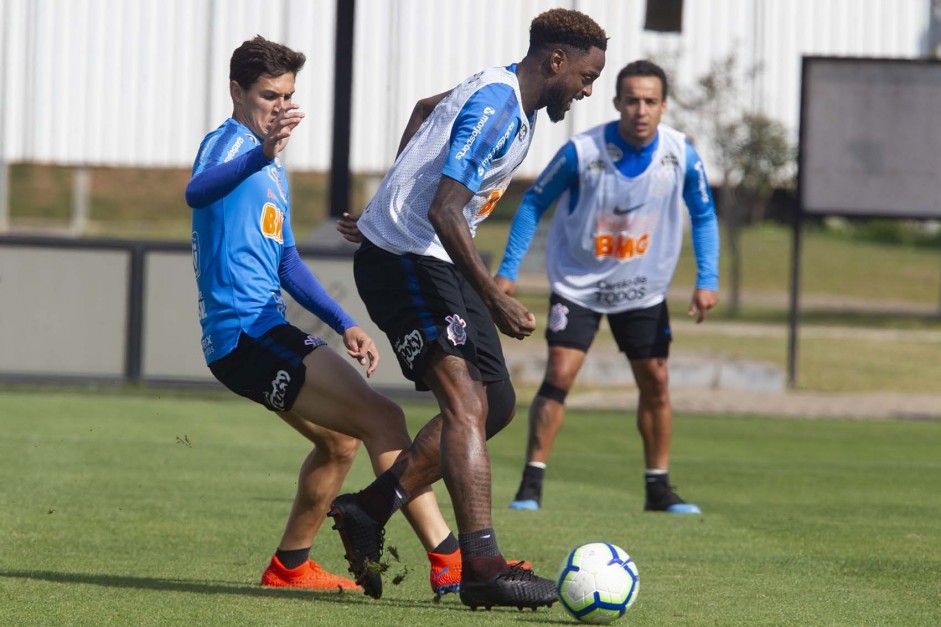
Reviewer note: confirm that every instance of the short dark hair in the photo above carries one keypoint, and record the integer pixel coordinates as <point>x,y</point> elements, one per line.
<point>643,67</point>
<point>259,56</point>
<point>565,27</point>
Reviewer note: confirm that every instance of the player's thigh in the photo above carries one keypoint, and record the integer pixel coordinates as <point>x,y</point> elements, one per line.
<point>643,333</point>
<point>335,396</point>
<point>458,388</point>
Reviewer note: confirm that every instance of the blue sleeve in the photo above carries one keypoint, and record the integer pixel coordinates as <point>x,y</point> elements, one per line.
<point>303,286</point>
<point>287,232</point>
<point>216,181</point>
<point>559,175</point>
<point>705,225</point>
<point>481,133</point>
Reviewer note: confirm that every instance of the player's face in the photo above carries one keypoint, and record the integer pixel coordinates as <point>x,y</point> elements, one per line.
<point>641,104</point>
<point>259,105</point>
<point>577,73</point>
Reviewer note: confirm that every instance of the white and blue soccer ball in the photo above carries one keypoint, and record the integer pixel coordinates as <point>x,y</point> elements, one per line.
<point>598,582</point>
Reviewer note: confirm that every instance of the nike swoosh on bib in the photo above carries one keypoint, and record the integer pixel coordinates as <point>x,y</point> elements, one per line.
<point>620,212</point>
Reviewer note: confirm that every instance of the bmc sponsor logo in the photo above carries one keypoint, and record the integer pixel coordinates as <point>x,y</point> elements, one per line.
<point>279,387</point>
<point>492,199</point>
<point>488,111</point>
<point>234,150</point>
<point>272,222</point>
<point>621,246</point>
<point>409,347</point>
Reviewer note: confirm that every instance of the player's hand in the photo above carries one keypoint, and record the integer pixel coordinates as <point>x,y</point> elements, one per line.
<point>511,317</point>
<point>348,229</point>
<point>702,301</point>
<point>281,128</point>
<point>507,286</point>
<point>360,347</point>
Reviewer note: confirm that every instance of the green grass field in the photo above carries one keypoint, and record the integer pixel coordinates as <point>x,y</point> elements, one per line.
<point>163,509</point>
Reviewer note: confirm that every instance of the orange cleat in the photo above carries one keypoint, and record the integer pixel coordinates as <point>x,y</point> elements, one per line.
<point>308,575</point>
<point>445,573</point>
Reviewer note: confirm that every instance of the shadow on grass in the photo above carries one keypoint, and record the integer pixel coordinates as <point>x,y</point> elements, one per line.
<point>213,588</point>
<point>179,585</point>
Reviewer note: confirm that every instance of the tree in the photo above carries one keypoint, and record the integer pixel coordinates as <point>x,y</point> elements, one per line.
<point>752,152</point>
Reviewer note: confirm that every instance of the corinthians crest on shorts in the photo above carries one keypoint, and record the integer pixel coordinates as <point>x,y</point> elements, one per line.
<point>456,332</point>
<point>558,317</point>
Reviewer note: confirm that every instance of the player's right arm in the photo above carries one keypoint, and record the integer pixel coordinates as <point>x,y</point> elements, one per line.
<point>485,118</point>
<point>213,181</point>
<point>215,175</point>
<point>559,175</point>
<point>446,215</point>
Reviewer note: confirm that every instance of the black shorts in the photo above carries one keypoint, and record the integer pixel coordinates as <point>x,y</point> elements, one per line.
<point>421,303</point>
<point>639,333</point>
<point>268,369</point>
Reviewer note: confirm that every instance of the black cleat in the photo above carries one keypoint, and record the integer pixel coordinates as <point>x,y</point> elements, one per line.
<point>362,539</point>
<point>529,494</point>
<point>517,587</point>
<point>661,497</point>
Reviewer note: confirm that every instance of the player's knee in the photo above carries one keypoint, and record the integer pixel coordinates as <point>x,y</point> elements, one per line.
<point>552,392</point>
<point>340,448</point>
<point>501,406</point>
<point>389,411</point>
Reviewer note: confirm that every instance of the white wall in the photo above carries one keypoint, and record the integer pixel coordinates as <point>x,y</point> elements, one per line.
<point>140,82</point>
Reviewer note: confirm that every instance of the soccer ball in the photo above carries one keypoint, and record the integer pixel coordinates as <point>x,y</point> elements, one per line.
<point>598,582</point>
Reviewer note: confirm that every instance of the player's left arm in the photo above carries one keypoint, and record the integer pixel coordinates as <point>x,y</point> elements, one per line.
<point>420,113</point>
<point>705,235</point>
<point>346,224</point>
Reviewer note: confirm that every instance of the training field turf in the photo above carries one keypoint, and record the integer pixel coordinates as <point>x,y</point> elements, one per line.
<point>160,509</point>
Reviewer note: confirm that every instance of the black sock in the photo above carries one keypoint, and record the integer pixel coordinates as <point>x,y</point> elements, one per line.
<point>294,557</point>
<point>480,555</point>
<point>656,482</point>
<point>481,543</point>
<point>531,483</point>
<point>383,497</point>
<point>448,545</point>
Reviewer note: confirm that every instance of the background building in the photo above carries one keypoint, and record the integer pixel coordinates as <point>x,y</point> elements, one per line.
<point>140,82</point>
